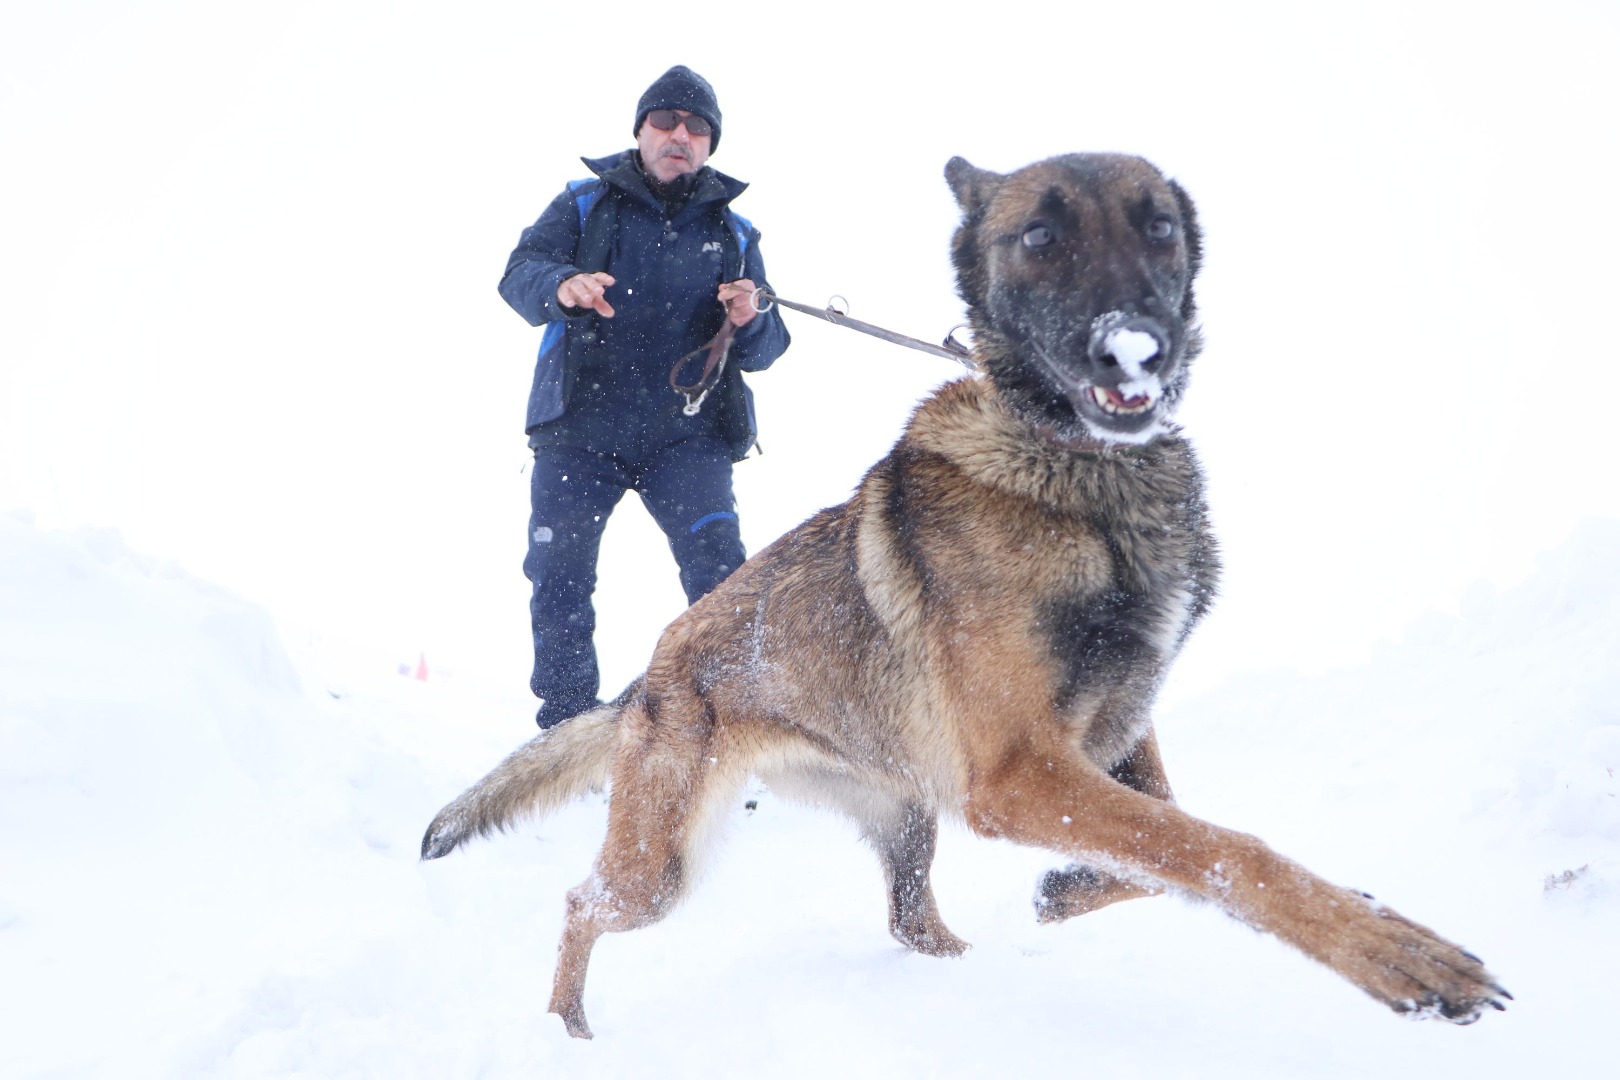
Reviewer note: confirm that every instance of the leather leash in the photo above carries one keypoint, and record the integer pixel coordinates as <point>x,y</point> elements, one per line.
<point>714,365</point>
<point>714,353</point>
<point>950,348</point>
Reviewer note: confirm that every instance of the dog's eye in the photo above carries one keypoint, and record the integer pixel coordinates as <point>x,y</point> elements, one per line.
<point>1161,228</point>
<point>1038,236</point>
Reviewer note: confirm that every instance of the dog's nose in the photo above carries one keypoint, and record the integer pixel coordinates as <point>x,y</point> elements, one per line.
<point>1136,344</point>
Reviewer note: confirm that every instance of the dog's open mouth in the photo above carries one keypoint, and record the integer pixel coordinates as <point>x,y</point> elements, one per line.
<point>1129,411</point>
<point>1115,403</point>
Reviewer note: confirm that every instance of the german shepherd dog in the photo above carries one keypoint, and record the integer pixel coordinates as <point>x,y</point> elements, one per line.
<point>979,631</point>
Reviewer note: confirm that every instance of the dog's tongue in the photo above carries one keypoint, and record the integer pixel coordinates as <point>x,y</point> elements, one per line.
<point>1123,402</point>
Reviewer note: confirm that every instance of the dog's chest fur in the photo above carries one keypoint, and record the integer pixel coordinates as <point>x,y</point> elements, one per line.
<point>1102,556</point>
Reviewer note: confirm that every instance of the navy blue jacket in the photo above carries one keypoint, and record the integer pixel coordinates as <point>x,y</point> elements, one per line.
<point>666,273</point>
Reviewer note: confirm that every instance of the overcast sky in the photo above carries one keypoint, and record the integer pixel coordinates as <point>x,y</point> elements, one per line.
<point>248,256</point>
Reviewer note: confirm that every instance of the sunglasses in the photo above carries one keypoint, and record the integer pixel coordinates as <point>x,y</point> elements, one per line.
<point>669,120</point>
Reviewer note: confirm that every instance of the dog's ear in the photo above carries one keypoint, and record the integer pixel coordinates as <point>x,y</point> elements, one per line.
<point>1189,229</point>
<point>971,185</point>
<point>1191,233</point>
<point>1193,237</point>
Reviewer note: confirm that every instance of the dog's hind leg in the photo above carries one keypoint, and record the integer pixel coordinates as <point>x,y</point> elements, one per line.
<point>901,830</point>
<point>905,844</point>
<point>1077,889</point>
<point>667,780</point>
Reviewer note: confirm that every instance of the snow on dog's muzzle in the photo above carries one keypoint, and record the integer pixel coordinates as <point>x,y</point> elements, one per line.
<point>1135,344</point>
<point>1127,354</point>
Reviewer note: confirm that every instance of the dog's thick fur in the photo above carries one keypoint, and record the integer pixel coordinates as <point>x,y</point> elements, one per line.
<point>979,631</point>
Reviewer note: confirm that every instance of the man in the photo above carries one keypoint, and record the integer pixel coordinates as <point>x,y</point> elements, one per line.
<point>630,272</point>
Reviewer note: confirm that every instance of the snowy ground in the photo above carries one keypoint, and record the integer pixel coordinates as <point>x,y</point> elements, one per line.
<point>210,867</point>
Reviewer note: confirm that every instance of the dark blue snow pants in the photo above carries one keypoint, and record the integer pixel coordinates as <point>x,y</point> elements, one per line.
<point>687,489</point>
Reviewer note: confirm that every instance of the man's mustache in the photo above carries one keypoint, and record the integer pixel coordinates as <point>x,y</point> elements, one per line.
<point>675,150</point>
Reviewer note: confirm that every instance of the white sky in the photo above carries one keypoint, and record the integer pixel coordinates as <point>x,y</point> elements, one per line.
<point>248,257</point>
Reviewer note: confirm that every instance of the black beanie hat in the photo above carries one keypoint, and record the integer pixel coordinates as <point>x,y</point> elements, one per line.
<point>681,88</point>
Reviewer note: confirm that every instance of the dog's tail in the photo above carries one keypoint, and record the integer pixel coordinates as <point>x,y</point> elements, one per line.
<point>549,771</point>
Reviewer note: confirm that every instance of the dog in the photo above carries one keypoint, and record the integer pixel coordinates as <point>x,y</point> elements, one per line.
<point>978,632</point>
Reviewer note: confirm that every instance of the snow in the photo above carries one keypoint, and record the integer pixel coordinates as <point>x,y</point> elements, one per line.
<point>211,866</point>
<point>1132,346</point>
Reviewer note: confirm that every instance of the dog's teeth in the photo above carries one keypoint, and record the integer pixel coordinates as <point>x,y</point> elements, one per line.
<point>1108,404</point>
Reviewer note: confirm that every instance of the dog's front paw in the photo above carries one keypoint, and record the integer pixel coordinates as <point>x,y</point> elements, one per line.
<point>1410,968</point>
<point>1075,890</point>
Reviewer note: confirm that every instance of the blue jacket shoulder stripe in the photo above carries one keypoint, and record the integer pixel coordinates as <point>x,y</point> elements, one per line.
<point>586,192</point>
<point>743,227</point>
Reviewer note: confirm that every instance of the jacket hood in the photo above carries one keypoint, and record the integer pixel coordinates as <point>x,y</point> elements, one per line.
<point>623,172</point>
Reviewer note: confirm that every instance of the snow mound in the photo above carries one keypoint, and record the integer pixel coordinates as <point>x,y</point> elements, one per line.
<point>210,867</point>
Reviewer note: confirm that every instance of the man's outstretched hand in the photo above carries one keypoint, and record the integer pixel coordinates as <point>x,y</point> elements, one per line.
<point>587,292</point>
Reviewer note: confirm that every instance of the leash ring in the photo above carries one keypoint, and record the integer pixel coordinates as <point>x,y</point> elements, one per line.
<point>761,301</point>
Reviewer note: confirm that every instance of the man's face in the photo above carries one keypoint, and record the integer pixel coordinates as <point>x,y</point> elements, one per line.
<point>668,154</point>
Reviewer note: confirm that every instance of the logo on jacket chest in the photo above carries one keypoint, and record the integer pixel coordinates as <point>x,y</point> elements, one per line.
<point>713,246</point>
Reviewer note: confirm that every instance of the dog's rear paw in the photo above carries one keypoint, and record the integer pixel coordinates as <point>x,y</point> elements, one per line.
<point>1412,969</point>
<point>928,936</point>
<point>1075,890</point>
<point>573,1018</point>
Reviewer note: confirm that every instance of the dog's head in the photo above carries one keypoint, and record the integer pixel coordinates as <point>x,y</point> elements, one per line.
<point>1077,273</point>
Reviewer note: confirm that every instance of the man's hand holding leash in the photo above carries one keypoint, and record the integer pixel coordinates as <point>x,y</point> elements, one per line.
<point>737,296</point>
